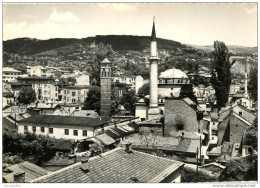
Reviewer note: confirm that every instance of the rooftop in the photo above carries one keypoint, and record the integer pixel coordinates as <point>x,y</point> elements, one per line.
<point>9,69</point>
<point>76,87</point>
<point>115,166</point>
<point>18,84</point>
<point>34,78</point>
<point>63,120</point>
<point>31,170</point>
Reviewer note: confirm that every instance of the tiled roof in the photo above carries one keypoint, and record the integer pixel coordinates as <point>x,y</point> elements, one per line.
<point>164,143</point>
<point>31,170</point>
<point>105,61</point>
<point>115,166</point>
<point>34,78</point>
<point>63,120</point>
<point>18,84</point>
<point>76,87</point>
<point>214,164</point>
<point>105,139</point>
<point>61,144</point>
<point>9,69</point>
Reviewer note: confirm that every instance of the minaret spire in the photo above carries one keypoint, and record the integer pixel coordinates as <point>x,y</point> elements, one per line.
<point>153,36</point>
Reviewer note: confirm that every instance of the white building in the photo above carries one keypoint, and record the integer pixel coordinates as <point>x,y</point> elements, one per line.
<point>170,83</point>
<point>74,94</point>
<point>10,74</point>
<point>38,71</point>
<point>82,80</point>
<point>62,127</point>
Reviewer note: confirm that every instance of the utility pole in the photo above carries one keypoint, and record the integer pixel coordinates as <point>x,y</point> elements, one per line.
<point>200,149</point>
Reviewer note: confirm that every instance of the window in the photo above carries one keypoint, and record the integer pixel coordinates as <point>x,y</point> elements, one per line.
<point>212,137</point>
<point>56,94</point>
<point>25,129</point>
<point>42,129</point>
<point>73,93</point>
<point>84,133</point>
<point>66,131</point>
<point>51,130</point>
<point>240,113</point>
<point>171,88</point>
<point>34,129</point>
<point>64,91</point>
<point>68,92</point>
<point>68,98</point>
<point>56,88</point>
<point>79,92</point>
<point>75,132</point>
<point>161,112</point>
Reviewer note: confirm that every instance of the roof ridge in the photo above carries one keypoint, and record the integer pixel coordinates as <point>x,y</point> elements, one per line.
<point>242,119</point>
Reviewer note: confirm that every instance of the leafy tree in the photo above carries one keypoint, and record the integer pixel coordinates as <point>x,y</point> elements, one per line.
<point>92,101</point>
<point>144,90</point>
<point>187,91</point>
<point>221,75</point>
<point>251,135</point>
<point>128,100</point>
<point>252,83</point>
<point>26,96</point>
<point>240,169</point>
<point>29,147</point>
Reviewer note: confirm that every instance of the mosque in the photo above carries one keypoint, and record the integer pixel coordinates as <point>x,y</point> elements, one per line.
<point>167,85</point>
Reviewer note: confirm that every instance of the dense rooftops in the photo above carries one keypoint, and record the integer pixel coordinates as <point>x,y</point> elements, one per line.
<point>64,120</point>
<point>115,166</point>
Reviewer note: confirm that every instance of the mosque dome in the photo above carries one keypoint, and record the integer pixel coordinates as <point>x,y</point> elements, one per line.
<point>173,73</point>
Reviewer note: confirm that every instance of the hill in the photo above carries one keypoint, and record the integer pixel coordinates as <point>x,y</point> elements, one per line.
<point>28,46</point>
<point>232,48</point>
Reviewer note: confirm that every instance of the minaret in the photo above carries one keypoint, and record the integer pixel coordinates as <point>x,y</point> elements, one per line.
<point>153,112</point>
<point>246,78</point>
<point>105,85</point>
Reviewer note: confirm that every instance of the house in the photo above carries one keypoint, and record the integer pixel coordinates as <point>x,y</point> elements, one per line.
<point>232,128</point>
<point>118,166</point>
<point>15,87</point>
<point>8,98</point>
<point>45,88</point>
<point>62,127</point>
<point>38,71</point>
<point>10,74</point>
<point>182,114</point>
<point>23,172</point>
<point>82,80</point>
<point>74,94</point>
<point>45,108</point>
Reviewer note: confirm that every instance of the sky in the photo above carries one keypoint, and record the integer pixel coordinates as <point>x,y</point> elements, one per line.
<point>188,23</point>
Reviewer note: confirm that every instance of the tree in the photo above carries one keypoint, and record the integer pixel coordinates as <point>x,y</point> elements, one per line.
<point>221,75</point>
<point>92,101</point>
<point>128,100</point>
<point>187,91</point>
<point>252,83</point>
<point>240,169</point>
<point>26,96</point>
<point>251,135</point>
<point>29,147</point>
<point>144,90</point>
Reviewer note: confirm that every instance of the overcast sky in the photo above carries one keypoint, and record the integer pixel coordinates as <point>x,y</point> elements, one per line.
<point>190,23</point>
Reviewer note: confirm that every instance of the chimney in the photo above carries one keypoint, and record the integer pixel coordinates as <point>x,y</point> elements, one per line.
<point>73,156</point>
<point>83,161</point>
<point>19,177</point>
<point>182,135</point>
<point>128,148</point>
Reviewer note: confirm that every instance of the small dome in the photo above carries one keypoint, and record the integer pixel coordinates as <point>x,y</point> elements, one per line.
<point>173,73</point>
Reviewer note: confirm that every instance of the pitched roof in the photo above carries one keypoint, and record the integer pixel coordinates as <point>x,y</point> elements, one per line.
<point>19,84</point>
<point>63,120</point>
<point>115,166</point>
<point>192,104</point>
<point>105,139</point>
<point>31,170</point>
<point>105,61</point>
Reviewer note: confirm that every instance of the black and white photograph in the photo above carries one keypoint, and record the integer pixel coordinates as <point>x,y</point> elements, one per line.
<point>130,92</point>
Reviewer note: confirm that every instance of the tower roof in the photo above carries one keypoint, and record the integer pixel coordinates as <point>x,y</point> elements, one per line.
<point>105,61</point>
<point>153,37</point>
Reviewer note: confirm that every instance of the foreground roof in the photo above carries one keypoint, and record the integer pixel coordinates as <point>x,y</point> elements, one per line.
<point>115,166</point>
<point>63,120</point>
<point>31,170</point>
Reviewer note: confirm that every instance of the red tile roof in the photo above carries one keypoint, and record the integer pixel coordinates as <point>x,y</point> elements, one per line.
<point>115,166</point>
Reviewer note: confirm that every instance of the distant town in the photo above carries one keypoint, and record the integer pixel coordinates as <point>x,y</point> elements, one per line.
<point>155,111</point>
